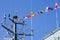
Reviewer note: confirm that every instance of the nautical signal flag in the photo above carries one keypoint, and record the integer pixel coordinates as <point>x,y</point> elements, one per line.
<point>29,16</point>
<point>42,11</point>
<point>48,9</point>
<point>32,14</point>
<point>25,17</point>
<point>56,6</point>
<point>37,13</point>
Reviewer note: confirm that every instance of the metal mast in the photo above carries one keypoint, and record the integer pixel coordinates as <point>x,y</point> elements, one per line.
<point>15,34</point>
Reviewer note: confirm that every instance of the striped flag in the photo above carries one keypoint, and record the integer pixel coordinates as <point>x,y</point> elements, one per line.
<point>48,9</point>
<point>42,11</point>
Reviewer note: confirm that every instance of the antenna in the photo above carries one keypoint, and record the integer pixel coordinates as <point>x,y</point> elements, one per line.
<point>14,32</point>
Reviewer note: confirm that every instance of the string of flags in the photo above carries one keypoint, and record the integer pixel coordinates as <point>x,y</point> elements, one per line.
<point>32,14</point>
<point>48,9</point>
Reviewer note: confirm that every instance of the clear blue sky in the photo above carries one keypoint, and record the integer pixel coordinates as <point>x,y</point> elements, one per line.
<point>43,24</point>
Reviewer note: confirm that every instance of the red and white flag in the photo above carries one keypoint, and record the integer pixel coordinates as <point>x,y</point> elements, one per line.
<point>56,6</point>
<point>29,16</point>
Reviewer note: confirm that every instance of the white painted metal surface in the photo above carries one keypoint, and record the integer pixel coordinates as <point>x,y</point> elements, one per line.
<point>55,35</point>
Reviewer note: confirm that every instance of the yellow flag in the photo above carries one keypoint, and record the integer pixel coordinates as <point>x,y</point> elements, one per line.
<point>32,14</point>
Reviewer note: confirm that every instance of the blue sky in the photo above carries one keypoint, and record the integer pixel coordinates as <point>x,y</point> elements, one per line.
<point>43,24</point>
